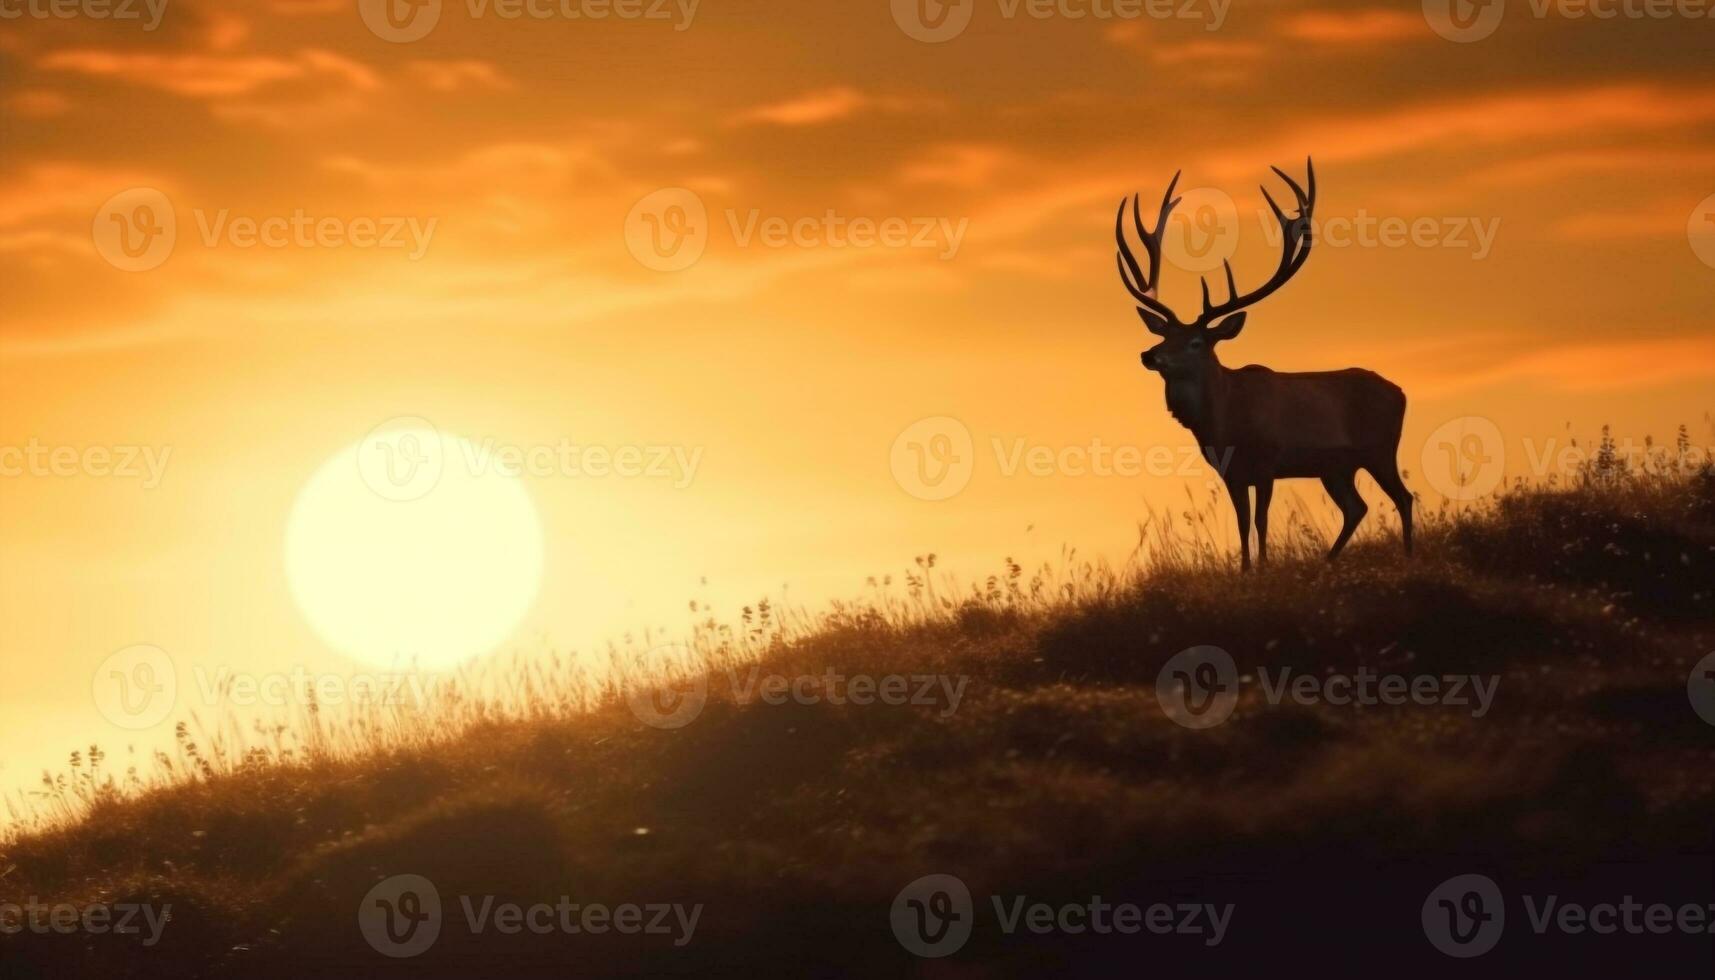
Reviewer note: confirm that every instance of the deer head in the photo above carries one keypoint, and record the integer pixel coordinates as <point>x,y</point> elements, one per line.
<point>1188,349</point>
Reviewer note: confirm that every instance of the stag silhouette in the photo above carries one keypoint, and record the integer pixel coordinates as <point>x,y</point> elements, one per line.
<point>1256,425</point>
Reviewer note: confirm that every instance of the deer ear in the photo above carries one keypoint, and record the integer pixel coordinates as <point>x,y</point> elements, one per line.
<point>1156,323</point>
<point>1229,328</point>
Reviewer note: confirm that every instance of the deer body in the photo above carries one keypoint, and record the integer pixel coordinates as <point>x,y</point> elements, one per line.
<point>1256,425</point>
<point>1289,425</point>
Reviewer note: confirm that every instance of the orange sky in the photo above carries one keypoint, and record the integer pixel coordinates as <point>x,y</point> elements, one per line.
<point>1517,228</point>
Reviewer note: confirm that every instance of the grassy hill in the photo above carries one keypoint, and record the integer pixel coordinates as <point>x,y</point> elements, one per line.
<point>1038,760</point>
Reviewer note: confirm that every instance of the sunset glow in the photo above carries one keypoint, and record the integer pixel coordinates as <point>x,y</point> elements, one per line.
<point>728,252</point>
<point>411,561</point>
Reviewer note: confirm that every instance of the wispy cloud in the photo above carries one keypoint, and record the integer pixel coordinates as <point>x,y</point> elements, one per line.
<point>457,75</point>
<point>1361,27</point>
<point>809,109</point>
<point>958,164</point>
<point>1622,161</point>
<point>210,76</point>
<point>1521,118</point>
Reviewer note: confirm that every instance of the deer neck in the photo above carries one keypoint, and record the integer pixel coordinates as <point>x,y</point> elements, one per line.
<point>1196,401</point>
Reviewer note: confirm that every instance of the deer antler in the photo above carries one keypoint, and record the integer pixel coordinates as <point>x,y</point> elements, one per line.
<point>1296,242</point>
<point>1141,287</point>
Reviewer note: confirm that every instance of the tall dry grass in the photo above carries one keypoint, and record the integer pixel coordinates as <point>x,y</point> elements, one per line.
<point>1194,539</point>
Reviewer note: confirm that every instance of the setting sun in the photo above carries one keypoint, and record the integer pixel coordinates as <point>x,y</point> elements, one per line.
<point>399,553</point>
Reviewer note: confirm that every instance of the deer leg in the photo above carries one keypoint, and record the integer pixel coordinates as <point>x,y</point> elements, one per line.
<point>1387,476</point>
<point>1344,490</point>
<point>1241,495</point>
<point>1264,493</point>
